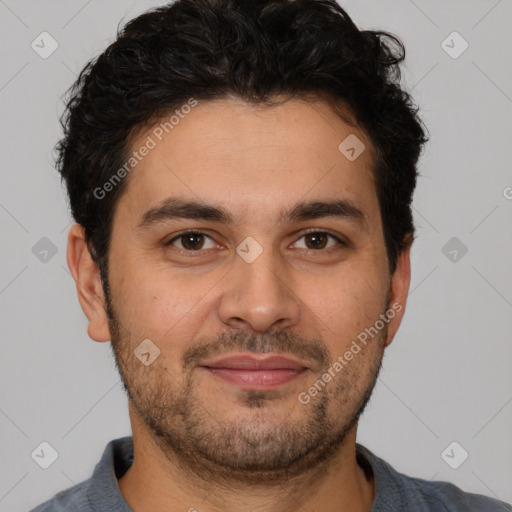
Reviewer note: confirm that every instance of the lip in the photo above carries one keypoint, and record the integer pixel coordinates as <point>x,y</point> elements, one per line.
<point>249,372</point>
<point>246,362</point>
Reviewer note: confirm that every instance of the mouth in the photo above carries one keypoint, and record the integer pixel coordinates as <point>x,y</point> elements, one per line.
<point>250,372</point>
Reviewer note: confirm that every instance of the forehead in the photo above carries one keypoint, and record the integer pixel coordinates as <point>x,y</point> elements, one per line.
<point>252,158</point>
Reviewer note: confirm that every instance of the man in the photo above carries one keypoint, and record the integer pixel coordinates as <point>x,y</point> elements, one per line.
<point>241,174</point>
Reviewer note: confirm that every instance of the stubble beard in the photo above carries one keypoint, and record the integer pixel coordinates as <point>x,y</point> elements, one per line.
<point>252,450</point>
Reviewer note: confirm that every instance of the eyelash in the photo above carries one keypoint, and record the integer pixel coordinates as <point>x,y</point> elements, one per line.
<point>193,232</point>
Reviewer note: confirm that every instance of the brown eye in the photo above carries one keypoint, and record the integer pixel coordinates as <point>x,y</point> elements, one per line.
<point>318,240</point>
<point>190,241</point>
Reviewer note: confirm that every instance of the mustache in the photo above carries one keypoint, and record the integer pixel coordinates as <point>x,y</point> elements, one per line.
<point>281,342</point>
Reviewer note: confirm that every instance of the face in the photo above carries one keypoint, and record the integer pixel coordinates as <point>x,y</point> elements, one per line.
<point>285,256</point>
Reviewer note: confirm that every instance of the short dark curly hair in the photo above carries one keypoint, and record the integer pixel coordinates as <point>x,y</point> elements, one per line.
<point>255,50</point>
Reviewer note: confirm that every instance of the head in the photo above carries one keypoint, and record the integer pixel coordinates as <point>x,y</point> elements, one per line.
<point>279,134</point>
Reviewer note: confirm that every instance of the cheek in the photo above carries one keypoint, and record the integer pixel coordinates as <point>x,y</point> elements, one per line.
<point>347,303</point>
<point>162,305</point>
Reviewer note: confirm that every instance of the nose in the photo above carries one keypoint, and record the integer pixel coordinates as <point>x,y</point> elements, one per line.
<point>259,295</point>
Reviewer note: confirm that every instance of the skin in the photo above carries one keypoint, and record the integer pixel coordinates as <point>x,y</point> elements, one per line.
<point>220,447</point>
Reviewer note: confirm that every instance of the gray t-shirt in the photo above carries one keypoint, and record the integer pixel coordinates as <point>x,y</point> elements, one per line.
<point>394,492</point>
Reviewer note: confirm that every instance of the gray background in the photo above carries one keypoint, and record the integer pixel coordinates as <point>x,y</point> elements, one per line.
<point>446,377</point>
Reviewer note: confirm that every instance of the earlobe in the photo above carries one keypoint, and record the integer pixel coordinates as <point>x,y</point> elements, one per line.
<point>87,278</point>
<point>400,282</point>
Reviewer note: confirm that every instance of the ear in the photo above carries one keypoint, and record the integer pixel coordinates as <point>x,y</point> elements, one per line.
<point>88,284</point>
<point>400,281</point>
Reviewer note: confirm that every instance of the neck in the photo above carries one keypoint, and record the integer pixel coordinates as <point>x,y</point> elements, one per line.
<point>156,481</point>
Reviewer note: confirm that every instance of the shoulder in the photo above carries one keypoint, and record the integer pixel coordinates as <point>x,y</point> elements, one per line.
<point>396,491</point>
<point>73,499</point>
<point>447,497</point>
<point>101,491</point>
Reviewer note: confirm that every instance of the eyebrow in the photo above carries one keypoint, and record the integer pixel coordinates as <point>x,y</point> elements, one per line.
<point>173,208</point>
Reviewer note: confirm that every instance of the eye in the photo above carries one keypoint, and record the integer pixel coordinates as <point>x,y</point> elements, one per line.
<point>194,241</point>
<point>318,240</point>
<point>191,241</point>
